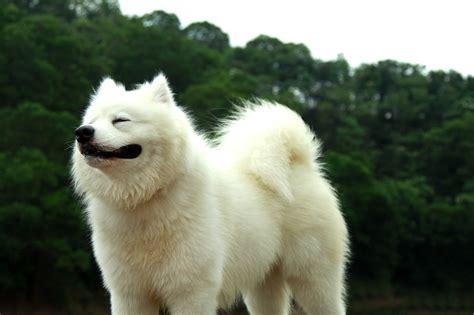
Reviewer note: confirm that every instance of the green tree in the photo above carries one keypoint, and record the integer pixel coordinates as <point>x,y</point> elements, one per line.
<point>32,126</point>
<point>44,245</point>
<point>94,8</point>
<point>448,156</point>
<point>373,221</point>
<point>46,63</point>
<point>162,20</point>
<point>395,136</point>
<point>208,35</point>
<point>279,67</point>
<point>61,9</point>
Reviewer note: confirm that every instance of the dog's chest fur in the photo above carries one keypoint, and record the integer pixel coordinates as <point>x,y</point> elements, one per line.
<point>135,250</point>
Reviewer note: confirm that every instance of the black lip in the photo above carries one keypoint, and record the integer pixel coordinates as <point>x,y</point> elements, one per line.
<point>130,151</point>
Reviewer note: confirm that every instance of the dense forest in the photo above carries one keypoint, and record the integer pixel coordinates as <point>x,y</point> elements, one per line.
<point>398,145</point>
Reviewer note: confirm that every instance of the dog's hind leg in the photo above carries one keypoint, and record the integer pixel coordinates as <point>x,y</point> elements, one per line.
<point>321,295</point>
<point>271,297</point>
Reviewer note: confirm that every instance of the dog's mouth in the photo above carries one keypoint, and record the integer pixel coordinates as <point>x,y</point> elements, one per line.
<point>130,151</point>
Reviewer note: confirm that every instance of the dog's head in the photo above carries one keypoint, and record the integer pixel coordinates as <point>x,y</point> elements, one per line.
<point>130,143</point>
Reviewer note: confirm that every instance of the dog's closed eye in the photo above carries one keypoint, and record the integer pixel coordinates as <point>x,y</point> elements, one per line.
<point>119,120</point>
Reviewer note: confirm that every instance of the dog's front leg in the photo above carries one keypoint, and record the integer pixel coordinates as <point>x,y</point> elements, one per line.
<point>202,302</point>
<point>131,305</point>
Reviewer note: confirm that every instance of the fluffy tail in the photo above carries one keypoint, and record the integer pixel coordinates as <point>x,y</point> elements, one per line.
<point>266,140</point>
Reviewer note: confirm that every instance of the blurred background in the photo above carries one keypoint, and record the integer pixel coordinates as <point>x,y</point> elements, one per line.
<point>398,135</point>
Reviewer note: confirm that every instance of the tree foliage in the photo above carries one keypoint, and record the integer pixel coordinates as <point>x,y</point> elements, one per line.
<point>397,139</point>
<point>208,35</point>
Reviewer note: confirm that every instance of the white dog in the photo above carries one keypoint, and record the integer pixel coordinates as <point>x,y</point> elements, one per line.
<point>182,222</point>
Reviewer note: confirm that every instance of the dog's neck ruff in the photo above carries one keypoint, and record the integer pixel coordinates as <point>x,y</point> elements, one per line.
<point>130,189</point>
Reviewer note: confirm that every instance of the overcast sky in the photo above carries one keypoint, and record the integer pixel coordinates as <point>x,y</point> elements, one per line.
<point>436,33</point>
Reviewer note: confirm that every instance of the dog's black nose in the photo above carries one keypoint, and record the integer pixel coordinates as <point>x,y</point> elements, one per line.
<point>84,133</point>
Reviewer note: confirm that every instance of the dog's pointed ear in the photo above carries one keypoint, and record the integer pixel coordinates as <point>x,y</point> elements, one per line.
<point>161,90</point>
<point>106,84</point>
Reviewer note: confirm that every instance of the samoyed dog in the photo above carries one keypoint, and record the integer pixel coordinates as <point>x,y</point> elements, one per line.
<point>192,224</point>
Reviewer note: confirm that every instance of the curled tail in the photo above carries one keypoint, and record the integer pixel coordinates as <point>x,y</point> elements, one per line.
<point>266,140</point>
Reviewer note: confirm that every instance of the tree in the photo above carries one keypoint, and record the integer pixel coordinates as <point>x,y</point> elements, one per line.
<point>396,140</point>
<point>162,20</point>
<point>374,223</point>
<point>46,63</point>
<point>208,35</point>
<point>94,8</point>
<point>447,156</point>
<point>280,68</point>
<point>33,126</point>
<point>44,248</point>
<point>50,7</point>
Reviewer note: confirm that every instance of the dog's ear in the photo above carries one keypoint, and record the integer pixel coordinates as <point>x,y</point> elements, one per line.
<point>106,84</point>
<point>161,90</point>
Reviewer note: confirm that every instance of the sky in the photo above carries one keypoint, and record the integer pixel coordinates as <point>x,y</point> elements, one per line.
<point>438,34</point>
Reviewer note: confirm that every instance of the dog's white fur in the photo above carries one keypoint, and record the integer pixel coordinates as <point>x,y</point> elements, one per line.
<point>191,225</point>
